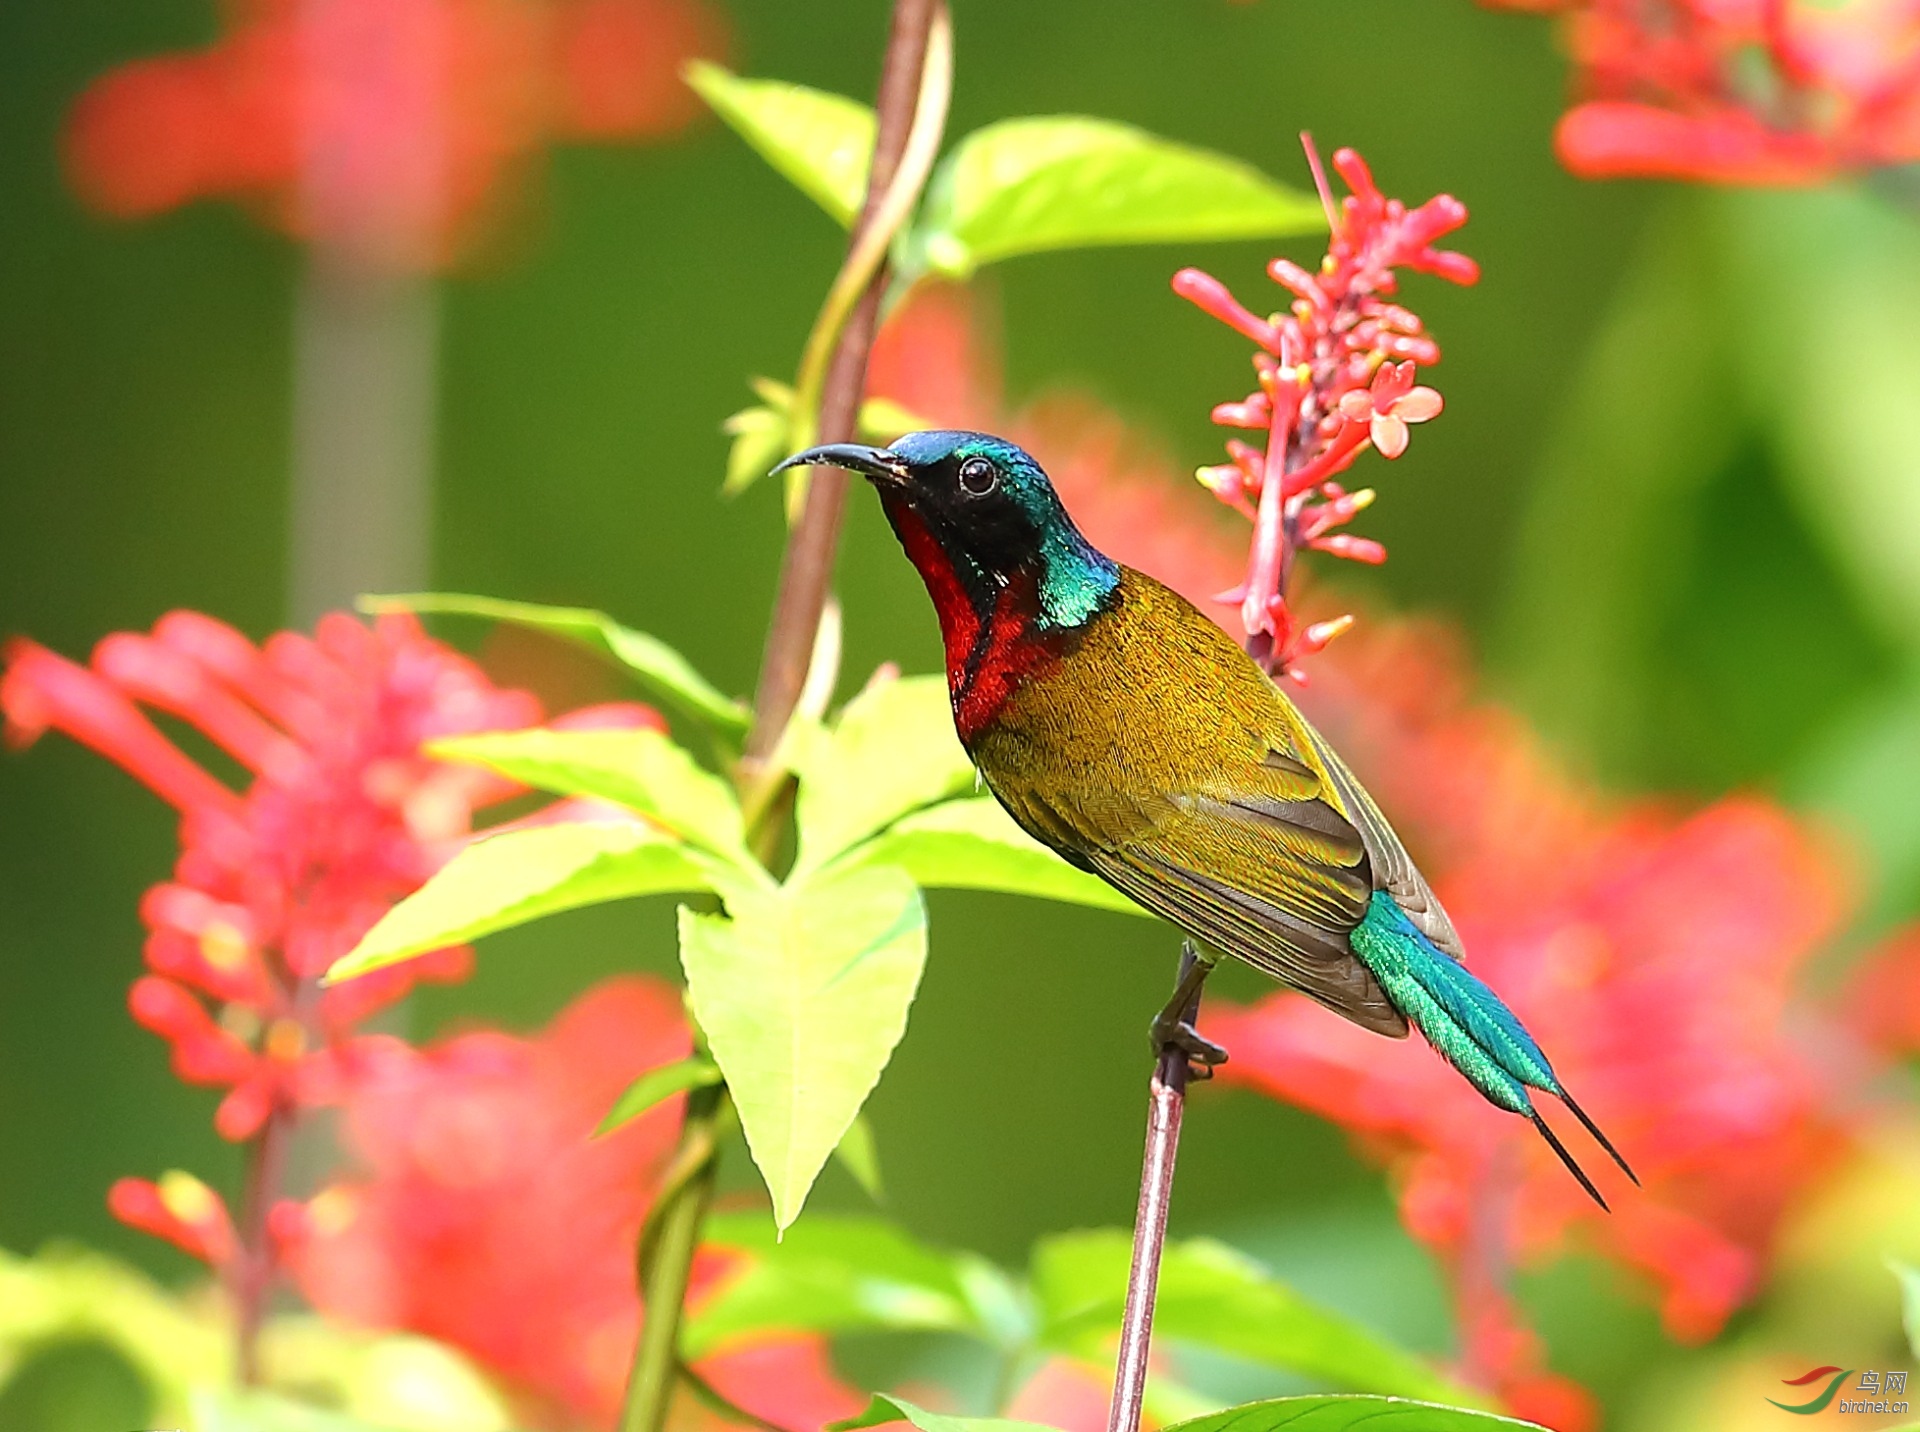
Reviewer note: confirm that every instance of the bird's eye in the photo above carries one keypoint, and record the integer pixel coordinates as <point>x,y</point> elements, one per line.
<point>978,477</point>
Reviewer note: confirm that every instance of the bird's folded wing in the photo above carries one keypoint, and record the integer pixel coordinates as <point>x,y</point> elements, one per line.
<point>1393,869</point>
<point>1276,882</point>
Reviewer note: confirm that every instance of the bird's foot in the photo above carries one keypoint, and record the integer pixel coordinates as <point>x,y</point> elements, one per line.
<point>1173,1026</point>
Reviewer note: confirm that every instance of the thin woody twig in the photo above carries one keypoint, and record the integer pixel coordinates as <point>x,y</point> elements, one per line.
<point>673,1227</point>
<point>1166,1105</point>
<point>807,570</point>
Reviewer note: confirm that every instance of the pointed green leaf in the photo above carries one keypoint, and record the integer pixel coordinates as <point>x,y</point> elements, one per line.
<point>1216,1298</point>
<point>258,1411</point>
<point>1345,1412</point>
<point>822,142</point>
<point>519,875</point>
<point>894,1409</point>
<point>1909,1277</point>
<point>656,1086</point>
<point>973,844</point>
<point>761,437</point>
<point>859,1154</point>
<point>803,993</point>
<point>643,770</point>
<point>663,673</point>
<point>1068,181</point>
<point>829,1274</point>
<point>891,752</point>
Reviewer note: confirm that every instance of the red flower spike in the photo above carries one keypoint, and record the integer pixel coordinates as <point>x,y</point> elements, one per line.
<point>1345,381</point>
<point>344,816</point>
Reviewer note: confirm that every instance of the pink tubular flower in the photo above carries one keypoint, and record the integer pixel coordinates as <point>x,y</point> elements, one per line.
<point>1336,375</point>
<point>390,122</point>
<point>482,1211</point>
<point>343,817</point>
<point>1772,92</point>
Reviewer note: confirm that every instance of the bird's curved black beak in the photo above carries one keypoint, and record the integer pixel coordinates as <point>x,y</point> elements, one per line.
<point>884,467</point>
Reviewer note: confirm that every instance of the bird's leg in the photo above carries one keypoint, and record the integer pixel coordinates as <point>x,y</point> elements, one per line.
<point>1173,1025</point>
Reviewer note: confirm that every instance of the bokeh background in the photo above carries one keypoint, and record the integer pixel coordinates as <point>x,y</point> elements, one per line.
<point>1624,523</point>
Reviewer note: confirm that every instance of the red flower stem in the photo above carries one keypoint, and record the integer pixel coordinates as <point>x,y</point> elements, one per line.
<point>253,1259</point>
<point>1166,1105</point>
<point>672,1231</point>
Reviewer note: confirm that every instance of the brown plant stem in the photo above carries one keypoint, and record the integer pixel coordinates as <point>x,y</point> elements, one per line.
<point>1166,1105</point>
<point>672,1232</point>
<point>252,1277</point>
<point>807,568</point>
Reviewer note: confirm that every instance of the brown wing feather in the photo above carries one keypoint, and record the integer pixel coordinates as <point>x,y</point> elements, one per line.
<point>1393,869</point>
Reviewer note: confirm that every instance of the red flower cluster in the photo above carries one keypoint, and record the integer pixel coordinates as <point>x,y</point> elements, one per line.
<point>344,816</point>
<point>1336,375</point>
<point>1740,91</point>
<point>483,1213</point>
<point>1656,954</point>
<point>384,125</point>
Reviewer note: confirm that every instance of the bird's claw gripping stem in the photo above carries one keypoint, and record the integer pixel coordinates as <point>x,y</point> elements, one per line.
<point>1173,1025</point>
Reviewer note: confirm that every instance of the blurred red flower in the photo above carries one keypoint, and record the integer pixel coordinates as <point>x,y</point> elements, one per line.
<point>387,126</point>
<point>1656,952</point>
<point>343,817</point>
<point>482,1211</point>
<point>1739,91</point>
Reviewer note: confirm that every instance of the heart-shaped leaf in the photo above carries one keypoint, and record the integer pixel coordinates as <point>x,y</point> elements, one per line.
<point>1069,181</point>
<point>803,991</point>
<point>657,1085</point>
<point>1349,1412</point>
<point>822,142</point>
<point>1213,1297</point>
<point>895,1409</point>
<point>892,751</point>
<point>973,844</point>
<point>519,875</point>
<point>642,770</point>
<point>663,673</point>
<point>830,1274</point>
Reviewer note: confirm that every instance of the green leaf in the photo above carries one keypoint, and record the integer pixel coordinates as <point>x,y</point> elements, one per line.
<point>663,673</point>
<point>1068,181</point>
<point>859,1154</point>
<point>642,770</point>
<point>1909,1277</point>
<point>973,844</point>
<point>892,751</point>
<point>803,992</point>
<point>1345,1412</point>
<point>761,437</point>
<point>1213,1297</point>
<point>763,434</point>
<point>656,1085</point>
<point>257,1411</point>
<point>519,875</point>
<point>822,142</point>
<point>830,1274</point>
<point>893,1409</point>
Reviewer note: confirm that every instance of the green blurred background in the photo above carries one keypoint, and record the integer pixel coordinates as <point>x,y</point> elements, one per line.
<point>1615,510</point>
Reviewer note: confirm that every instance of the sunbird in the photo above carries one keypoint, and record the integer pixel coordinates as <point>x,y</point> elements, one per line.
<point>1128,733</point>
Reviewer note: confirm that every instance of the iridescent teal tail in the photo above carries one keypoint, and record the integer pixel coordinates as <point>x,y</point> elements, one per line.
<point>1467,1023</point>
